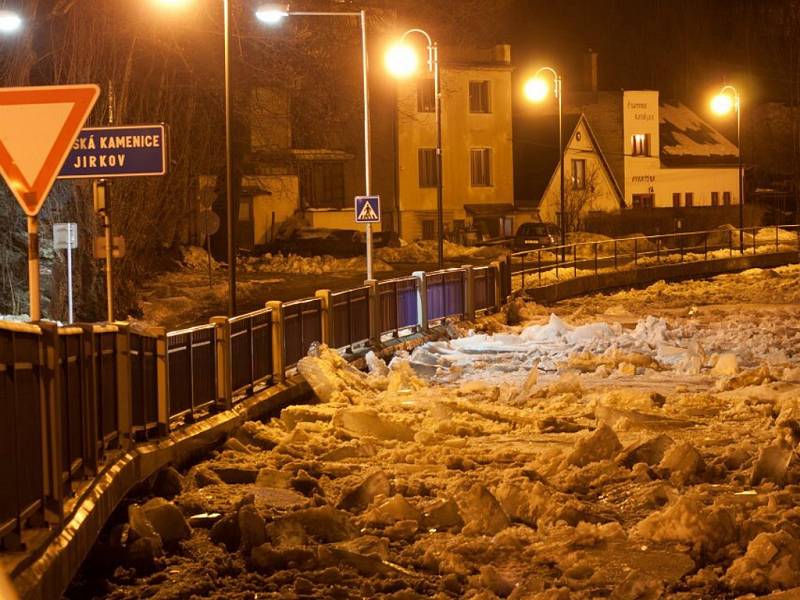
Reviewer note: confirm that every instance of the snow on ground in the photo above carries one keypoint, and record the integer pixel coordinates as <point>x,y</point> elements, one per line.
<point>427,252</point>
<point>638,445</point>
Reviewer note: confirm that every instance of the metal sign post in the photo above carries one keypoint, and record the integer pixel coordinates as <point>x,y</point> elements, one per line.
<point>33,267</point>
<point>368,210</point>
<point>65,237</point>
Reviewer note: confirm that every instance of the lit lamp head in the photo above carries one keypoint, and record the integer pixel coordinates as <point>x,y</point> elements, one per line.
<point>722,104</point>
<point>9,21</point>
<point>536,89</point>
<point>401,60</point>
<point>272,14</point>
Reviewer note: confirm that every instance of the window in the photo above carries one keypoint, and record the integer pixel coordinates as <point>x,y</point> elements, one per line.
<point>322,184</point>
<point>426,95</point>
<point>726,198</point>
<point>479,97</point>
<point>480,161</point>
<point>676,200</point>
<point>689,198</point>
<point>428,229</point>
<point>578,174</point>
<point>714,198</point>
<point>428,173</point>
<point>643,201</point>
<point>640,144</point>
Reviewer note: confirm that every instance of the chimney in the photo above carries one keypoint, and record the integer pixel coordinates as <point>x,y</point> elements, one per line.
<point>502,54</point>
<point>590,71</point>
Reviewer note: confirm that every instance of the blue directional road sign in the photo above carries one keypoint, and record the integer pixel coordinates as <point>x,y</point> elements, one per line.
<point>368,209</point>
<point>124,151</point>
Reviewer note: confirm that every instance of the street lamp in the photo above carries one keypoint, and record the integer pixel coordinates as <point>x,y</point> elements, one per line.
<point>536,89</point>
<point>728,99</point>
<point>401,60</point>
<point>10,22</point>
<point>231,254</point>
<point>273,14</point>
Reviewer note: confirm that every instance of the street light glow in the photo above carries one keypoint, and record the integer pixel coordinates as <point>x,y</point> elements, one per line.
<point>272,14</point>
<point>722,104</point>
<point>401,60</point>
<point>9,21</point>
<point>536,89</point>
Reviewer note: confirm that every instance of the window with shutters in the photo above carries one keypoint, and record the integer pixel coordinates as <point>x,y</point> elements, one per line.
<point>676,199</point>
<point>689,198</point>
<point>428,174</point>
<point>479,97</point>
<point>714,198</point>
<point>480,161</point>
<point>426,96</point>
<point>428,229</point>
<point>726,198</point>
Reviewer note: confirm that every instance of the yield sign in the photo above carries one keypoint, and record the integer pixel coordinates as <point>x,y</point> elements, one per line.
<point>38,126</point>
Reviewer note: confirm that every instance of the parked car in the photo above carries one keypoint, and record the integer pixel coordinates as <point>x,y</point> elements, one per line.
<point>532,236</point>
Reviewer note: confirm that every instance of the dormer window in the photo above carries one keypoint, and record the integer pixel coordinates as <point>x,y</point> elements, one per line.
<point>640,144</point>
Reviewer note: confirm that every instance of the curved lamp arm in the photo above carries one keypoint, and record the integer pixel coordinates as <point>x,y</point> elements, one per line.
<point>431,45</point>
<point>556,79</point>
<point>734,92</point>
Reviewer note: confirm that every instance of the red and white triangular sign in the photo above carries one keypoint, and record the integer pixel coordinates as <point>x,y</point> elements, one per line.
<point>38,126</point>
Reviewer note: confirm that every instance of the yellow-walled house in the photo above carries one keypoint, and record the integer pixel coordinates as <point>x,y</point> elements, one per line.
<point>477,159</point>
<point>588,181</point>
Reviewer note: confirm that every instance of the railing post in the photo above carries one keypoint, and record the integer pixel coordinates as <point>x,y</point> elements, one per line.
<point>278,346</point>
<point>422,301</point>
<point>497,285</point>
<point>469,293</point>
<point>636,251</point>
<point>658,250</point>
<point>595,257</point>
<point>776,238</point>
<point>616,265</point>
<point>539,267</point>
<point>522,272</point>
<point>375,316</point>
<point>89,401</point>
<point>326,316</point>
<point>680,241</point>
<point>222,335</point>
<point>124,383</point>
<point>51,425</point>
<point>705,247</point>
<point>162,381</point>
<point>574,260</point>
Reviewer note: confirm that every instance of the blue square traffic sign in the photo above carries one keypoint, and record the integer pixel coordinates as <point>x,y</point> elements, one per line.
<point>368,209</point>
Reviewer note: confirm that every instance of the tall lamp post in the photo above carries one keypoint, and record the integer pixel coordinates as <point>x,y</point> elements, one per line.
<point>536,90</point>
<point>229,213</point>
<point>272,14</point>
<point>401,61</point>
<point>728,99</point>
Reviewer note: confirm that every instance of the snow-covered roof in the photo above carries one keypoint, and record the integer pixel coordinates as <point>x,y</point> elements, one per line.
<point>687,140</point>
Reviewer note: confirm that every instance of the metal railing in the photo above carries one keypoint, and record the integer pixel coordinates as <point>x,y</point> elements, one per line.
<point>542,266</point>
<point>398,309</point>
<point>74,398</point>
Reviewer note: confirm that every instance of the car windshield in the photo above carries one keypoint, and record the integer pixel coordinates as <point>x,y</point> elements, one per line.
<point>536,229</point>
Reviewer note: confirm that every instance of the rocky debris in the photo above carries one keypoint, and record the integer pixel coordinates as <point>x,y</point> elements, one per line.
<point>140,525</point>
<point>168,483</point>
<point>286,533</point>
<point>269,499</point>
<point>232,474</point>
<point>351,449</point>
<point>269,559</point>
<point>621,419</point>
<point>363,421</point>
<point>201,476</point>
<point>772,561</point>
<point>481,512</point>
<point>167,520</point>
<point>204,520</point>
<point>649,452</point>
<point>226,531</point>
<point>258,435</point>
<point>726,365</point>
<point>235,445</point>
<point>390,511</point>
<point>682,462</point>
<point>274,479</point>
<point>359,496</point>
<point>291,416</point>
<point>402,530</point>
<point>601,444</point>
<point>306,484</point>
<point>772,464</point>
<point>252,530</point>
<point>442,515</point>
<point>325,523</point>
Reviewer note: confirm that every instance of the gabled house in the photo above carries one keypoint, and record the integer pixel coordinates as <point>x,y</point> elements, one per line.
<point>590,184</point>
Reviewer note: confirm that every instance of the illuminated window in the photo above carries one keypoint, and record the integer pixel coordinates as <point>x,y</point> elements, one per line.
<point>640,144</point>
<point>426,96</point>
<point>726,198</point>
<point>480,161</point>
<point>689,198</point>
<point>578,174</point>
<point>714,198</point>
<point>479,97</point>
<point>428,173</point>
<point>676,200</point>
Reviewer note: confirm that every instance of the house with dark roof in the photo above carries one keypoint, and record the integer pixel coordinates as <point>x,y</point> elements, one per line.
<point>590,184</point>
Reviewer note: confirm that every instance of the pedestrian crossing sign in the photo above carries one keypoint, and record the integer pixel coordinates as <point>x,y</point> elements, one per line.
<point>368,209</point>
